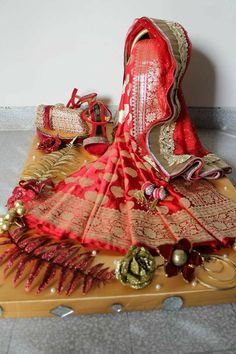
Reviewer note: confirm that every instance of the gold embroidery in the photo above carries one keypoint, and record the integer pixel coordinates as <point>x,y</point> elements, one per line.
<point>125,153</point>
<point>92,221</point>
<point>216,212</point>
<point>163,209</point>
<point>124,206</point>
<point>99,165</point>
<point>114,159</point>
<point>71,179</point>
<point>126,136</point>
<point>67,216</point>
<point>90,195</point>
<point>141,165</point>
<point>132,192</point>
<point>134,145</point>
<point>210,158</point>
<point>118,192</point>
<point>126,182</point>
<point>85,182</point>
<point>130,171</point>
<point>167,145</point>
<point>185,202</point>
<point>109,176</point>
<point>144,103</point>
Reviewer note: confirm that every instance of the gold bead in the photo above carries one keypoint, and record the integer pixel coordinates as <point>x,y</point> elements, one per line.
<point>20,211</point>
<point>5,226</point>
<point>18,204</point>
<point>179,258</point>
<point>10,215</point>
<point>234,246</point>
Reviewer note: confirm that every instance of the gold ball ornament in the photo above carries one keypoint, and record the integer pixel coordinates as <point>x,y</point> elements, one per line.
<point>10,215</point>
<point>234,246</point>
<point>1,220</point>
<point>5,226</point>
<point>20,211</point>
<point>18,204</point>
<point>179,258</point>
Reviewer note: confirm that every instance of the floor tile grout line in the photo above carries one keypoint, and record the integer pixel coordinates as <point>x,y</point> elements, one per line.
<point>130,336</point>
<point>234,309</point>
<point>11,335</point>
<point>214,351</point>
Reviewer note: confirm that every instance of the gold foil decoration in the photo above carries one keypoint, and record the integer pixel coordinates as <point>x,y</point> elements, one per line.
<point>137,268</point>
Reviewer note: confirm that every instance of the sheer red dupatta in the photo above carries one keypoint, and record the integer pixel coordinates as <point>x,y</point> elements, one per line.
<point>171,143</point>
<point>98,205</point>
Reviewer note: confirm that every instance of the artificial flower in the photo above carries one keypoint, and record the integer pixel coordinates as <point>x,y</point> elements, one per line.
<point>49,144</point>
<point>28,190</point>
<point>137,268</point>
<point>180,257</point>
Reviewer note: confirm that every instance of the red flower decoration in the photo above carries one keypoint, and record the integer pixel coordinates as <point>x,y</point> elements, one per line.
<point>180,257</point>
<point>49,144</point>
<point>28,190</point>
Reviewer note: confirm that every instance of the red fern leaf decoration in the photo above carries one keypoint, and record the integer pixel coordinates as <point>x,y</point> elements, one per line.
<point>65,272</point>
<point>55,255</point>
<point>71,263</point>
<point>84,263</point>
<point>65,254</point>
<point>34,244</point>
<point>48,276</point>
<point>34,273</point>
<point>20,269</point>
<point>18,234</point>
<point>78,276</point>
<point>52,252</point>
<point>12,260</point>
<point>88,283</point>
<point>5,242</point>
<point>7,253</point>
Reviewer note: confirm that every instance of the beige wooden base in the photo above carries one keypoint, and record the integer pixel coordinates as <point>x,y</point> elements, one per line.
<point>18,303</point>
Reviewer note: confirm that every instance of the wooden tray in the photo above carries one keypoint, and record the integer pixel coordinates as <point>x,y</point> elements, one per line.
<point>171,293</point>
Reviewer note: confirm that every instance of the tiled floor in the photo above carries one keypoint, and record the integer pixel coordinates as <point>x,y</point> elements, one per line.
<point>210,329</point>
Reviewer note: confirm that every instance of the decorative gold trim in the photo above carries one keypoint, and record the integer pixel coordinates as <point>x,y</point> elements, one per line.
<point>95,140</point>
<point>217,279</point>
<point>167,146</point>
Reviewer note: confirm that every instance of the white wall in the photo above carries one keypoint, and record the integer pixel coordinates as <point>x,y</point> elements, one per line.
<point>48,47</point>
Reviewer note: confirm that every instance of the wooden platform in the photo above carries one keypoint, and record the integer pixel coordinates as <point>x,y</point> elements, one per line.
<point>15,302</point>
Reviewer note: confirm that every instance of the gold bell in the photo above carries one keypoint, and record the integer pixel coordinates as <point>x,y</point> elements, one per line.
<point>20,211</point>
<point>179,258</point>
<point>18,204</point>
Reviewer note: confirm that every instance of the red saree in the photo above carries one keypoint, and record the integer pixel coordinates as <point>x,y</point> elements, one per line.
<point>103,205</point>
